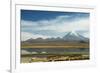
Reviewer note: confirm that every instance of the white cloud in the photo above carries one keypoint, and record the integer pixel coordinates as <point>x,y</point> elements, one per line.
<point>59,24</point>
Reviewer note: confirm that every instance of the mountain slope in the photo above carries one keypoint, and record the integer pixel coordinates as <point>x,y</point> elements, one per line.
<point>69,37</point>
<point>74,36</point>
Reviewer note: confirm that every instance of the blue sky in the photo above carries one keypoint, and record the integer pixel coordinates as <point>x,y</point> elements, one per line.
<point>46,24</point>
<point>31,15</point>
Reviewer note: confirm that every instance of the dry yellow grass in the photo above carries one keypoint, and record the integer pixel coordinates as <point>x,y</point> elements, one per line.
<point>55,46</point>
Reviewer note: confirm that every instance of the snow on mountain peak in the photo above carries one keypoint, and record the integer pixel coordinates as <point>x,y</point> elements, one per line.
<point>74,36</point>
<point>74,33</point>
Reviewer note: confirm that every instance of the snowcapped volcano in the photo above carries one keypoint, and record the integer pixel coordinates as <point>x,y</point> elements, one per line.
<point>74,36</point>
<point>73,33</point>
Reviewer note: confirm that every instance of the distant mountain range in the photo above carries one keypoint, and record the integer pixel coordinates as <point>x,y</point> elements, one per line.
<point>69,37</point>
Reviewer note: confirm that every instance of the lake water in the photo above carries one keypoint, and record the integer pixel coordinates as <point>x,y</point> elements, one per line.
<point>40,53</point>
<point>52,50</point>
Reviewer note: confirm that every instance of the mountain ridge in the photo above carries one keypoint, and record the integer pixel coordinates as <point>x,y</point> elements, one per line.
<point>69,37</point>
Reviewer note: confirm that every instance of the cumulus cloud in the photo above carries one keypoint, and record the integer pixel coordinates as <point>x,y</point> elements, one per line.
<point>60,24</point>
